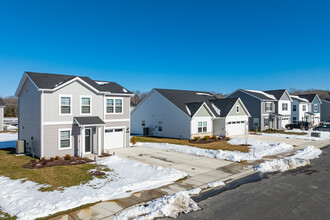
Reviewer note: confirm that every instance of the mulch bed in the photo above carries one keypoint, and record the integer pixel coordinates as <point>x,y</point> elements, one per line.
<point>34,164</point>
<point>202,141</point>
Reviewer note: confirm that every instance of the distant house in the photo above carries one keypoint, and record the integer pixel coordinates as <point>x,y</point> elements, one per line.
<point>2,113</point>
<point>65,114</point>
<point>268,109</point>
<point>306,107</point>
<point>186,114</point>
<point>325,109</point>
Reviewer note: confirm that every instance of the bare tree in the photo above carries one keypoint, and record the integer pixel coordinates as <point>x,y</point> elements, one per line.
<point>139,96</point>
<point>322,93</point>
<point>11,106</point>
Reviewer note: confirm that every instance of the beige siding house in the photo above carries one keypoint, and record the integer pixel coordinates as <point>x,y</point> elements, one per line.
<point>64,114</point>
<point>2,113</point>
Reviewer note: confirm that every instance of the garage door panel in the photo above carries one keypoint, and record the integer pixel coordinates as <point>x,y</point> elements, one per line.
<point>236,128</point>
<point>113,138</point>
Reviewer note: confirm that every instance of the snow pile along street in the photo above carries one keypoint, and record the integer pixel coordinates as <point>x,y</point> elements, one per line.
<point>8,140</point>
<point>299,159</point>
<point>23,198</point>
<point>323,135</point>
<point>166,206</point>
<point>258,149</point>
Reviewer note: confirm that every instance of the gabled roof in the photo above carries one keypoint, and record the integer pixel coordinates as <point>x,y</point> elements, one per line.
<point>276,93</point>
<point>260,94</point>
<point>299,99</point>
<point>2,104</point>
<point>309,97</point>
<point>225,105</point>
<point>194,107</point>
<point>184,98</point>
<point>47,81</point>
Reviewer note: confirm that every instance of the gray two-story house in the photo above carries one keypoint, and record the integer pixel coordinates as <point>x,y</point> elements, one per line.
<point>268,109</point>
<point>2,113</point>
<point>313,113</point>
<point>65,114</point>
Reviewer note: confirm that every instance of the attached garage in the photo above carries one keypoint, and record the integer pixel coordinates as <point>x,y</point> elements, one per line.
<point>114,138</point>
<point>236,127</point>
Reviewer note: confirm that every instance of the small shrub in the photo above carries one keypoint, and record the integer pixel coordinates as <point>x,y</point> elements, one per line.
<point>214,137</point>
<point>57,157</point>
<point>256,130</point>
<point>67,157</point>
<point>133,140</point>
<point>43,158</point>
<point>206,138</point>
<point>52,159</point>
<point>196,138</point>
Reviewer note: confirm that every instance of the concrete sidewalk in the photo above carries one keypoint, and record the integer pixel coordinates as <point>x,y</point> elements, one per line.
<point>200,170</point>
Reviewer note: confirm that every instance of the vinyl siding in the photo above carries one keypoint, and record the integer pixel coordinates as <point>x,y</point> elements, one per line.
<point>29,115</point>
<point>203,112</point>
<point>154,108</point>
<point>325,109</point>
<point>241,112</point>
<point>1,118</point>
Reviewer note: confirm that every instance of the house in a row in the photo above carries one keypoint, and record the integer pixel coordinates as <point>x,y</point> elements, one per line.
<point>66,114</point>
<point>268,109</point>
<point>325,109</point>
<point>2,113</point>
<point>306,107</point>
<point>186,114</point>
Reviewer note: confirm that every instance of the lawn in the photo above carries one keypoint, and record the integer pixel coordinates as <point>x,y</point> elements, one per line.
<point>60,176</point>
<point>223,145</point>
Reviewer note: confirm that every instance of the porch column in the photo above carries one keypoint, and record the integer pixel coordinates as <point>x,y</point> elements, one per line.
<point>82,143</point>
<point>99,150</point>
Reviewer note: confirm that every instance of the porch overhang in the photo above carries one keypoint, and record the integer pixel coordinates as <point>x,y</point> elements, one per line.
<point>276,115</point>
<point>309,113</point>
<point>89,121</point>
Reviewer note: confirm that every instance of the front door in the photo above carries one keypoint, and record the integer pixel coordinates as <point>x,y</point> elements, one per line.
<point>88,140</point>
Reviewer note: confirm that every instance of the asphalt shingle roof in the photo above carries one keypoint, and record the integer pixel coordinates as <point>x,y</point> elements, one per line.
<point>259,94</point>
<point>51,81</point>
<point>90,120</point>
<point>1,102</point>
<point>181,98</point>
<point>194,106</point>
<point>309,97</point>
<point>225,105</point>
<point>277,93</point>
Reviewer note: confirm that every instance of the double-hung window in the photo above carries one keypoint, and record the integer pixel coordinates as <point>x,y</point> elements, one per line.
<point>304,108</point>
<point>237,108</point>
<point>202,126</point>
<point>65,139</point>
<point>65,105</point>
<point>268,106</point>
<point>284,106</point>
<point>315,108</point>
<point>114,106</point>
<point>294,108</point>
<point>85,105</point>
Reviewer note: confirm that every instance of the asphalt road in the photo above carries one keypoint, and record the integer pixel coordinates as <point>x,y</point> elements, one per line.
<point>298,194</point>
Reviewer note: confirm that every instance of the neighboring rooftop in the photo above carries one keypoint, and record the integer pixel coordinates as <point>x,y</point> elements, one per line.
<point>184,98</point>
<point>51,81</point>
<point>276,93</point>
<point>298,98</point>
<point>260,94</point>
<point>2,104</point>
<point>309,97</point>
<point>225,105</point>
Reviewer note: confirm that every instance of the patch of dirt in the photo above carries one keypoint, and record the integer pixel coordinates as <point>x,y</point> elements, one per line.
<point>97,173</point>
<point>34,164</point>
<point>105,155</point>
<point>232,168</point>
<point>202,141</point>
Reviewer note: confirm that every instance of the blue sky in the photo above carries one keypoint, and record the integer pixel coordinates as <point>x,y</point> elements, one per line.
<point>197,45</point>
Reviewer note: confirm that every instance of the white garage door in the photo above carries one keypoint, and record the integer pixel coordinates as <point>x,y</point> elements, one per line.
<point>114,138</point>
<point>236,128</point>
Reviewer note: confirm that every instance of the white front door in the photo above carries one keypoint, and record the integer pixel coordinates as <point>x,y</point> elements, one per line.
<point>114,138</point>
<point>236,128</point>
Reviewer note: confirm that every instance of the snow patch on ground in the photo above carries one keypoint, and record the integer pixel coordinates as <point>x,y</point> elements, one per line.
<point>23,198</point>
<point>258,149</point>
<point>8,140</point>
<point>166,206</point>
<point>216,183</point>
<point>299,159</point>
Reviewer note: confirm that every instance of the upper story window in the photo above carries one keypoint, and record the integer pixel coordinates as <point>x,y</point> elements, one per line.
<point>114,106</point>
<point>284,106</point>
<point>304,108</point>
<point>268,106</point>
<point>202,126</point>
<point>65,107</point>
<point>85,105</point>
<point>294,108</point>
<point>237,108</point>
<point>316,108</point>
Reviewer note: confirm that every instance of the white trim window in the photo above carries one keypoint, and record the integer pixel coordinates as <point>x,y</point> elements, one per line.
<point>268,106</point>
<point>85,105</point>
<point>202,126</point>
<point>316,107</point>
<point>255,122</point>
<point>64,139</point>
<point>284,106</point>
<point>114,106</point>
<point>237,108</point>
<point>294,108</point>
<point>65,105</point>
<point>304,108</point>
